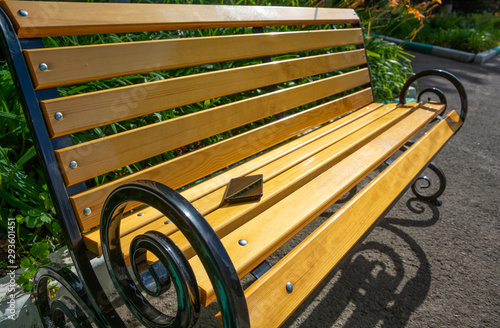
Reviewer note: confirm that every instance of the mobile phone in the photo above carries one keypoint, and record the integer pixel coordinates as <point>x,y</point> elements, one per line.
<point>244,189</point>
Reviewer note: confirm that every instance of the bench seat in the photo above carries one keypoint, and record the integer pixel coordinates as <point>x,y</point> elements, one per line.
<point>354,146</point>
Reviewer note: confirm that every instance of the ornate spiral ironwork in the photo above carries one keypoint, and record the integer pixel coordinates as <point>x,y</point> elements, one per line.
<point>418,189</point>
<point>172,267</point>
<point>444,74</point>
<point>55,313</point>
<point>436,91</point>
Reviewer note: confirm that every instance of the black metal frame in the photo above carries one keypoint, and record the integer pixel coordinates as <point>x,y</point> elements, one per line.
<point>202,238</point>
<point>433,198</point>
<point>12,50</point>
<point>440,73</point>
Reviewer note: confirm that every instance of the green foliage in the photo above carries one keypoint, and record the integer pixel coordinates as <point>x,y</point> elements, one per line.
<point>390,66</point>
<point>24,193</point>
<point>472,32</point>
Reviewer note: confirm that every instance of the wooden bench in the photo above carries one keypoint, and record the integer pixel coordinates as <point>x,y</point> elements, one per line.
<point>281,92</point>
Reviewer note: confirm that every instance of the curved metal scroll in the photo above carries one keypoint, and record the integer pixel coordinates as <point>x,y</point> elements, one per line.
<point>54,313</point>
<point>437,92</point>
<point>433,198</point>
<point>201,237</point>
<point>444,74</point>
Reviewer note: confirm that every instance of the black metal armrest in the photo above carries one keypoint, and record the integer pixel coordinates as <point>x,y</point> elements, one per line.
<point>204,241</point>
<point>444,74</point>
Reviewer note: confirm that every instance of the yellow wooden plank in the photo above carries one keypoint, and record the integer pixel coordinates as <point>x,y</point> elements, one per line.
<point>206,196</point>
<point>195,165</point>
<point>70,18</point>
<point>281,176</point>
<point>304,205</point>
<point>308,164</point>
<point>71,65</point>
<point>103,155</point>
<point>323,250</point>
<point>364,115</point>
<point>99,108</point>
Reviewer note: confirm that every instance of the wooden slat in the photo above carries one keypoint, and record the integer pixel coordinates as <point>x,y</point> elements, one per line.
<point>106,154</point>
<point>294,170</point>
<point>68,18</point>
<point>71,65</point>
<point>229,217</point>
<point>269,165</point>
<point>307,264</point>
<point>267,231</point>
<point>200,163</point>
<point>99,108</point>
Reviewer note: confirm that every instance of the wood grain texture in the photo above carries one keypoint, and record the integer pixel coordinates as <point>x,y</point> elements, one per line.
<point>89,110</point>
<point>307,264</point>
<point>70,18</point>
<point>195,165</point>
<point>207,196</point>
<point>283,175</point>
<point>106,154</point>
<point>267,231</point>
<point>71,65</point>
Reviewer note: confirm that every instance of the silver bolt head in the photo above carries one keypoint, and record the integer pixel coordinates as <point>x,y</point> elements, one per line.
<point>59,116</point>
<point>242,242</point>
<point>73,164</point>
<point>22,12</point>
<point>43,67</point>
<point>87,211</point>
<point>140,214</point>
<point>289,287</point>
<point>168,222</point>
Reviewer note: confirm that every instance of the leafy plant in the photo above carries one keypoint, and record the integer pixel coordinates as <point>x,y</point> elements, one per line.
<point>390,67</point>
<point>24,193</point>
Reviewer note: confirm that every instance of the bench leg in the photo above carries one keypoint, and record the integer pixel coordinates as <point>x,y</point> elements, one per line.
<point>55,312</point>
<point>421,187</point>
<point>419,190</point>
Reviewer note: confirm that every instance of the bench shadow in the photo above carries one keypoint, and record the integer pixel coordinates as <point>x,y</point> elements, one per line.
<point>380,285</point>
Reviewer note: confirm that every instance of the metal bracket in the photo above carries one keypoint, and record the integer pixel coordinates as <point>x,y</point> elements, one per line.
<point>261,269</point>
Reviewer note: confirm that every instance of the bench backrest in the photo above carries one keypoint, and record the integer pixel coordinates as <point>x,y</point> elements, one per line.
<point>205,92</point>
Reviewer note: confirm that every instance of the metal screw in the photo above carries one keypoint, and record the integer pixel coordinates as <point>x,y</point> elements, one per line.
<point>242,242</point>
<point>140,214</point>
<point>167,222</point>
<point>43,67</point>
<point>59,116</point>
<point>289,287</point>
<point>22,12</point>
<point>87,211</point>
<point>73,164</point>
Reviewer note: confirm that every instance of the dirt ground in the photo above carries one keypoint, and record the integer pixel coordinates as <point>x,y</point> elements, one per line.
<point>428,266</point>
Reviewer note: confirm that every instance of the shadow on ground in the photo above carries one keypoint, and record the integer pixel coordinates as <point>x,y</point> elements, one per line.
<point>377,286</point>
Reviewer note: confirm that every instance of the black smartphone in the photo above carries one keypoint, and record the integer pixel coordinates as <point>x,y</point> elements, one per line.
<point>244,189</point>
